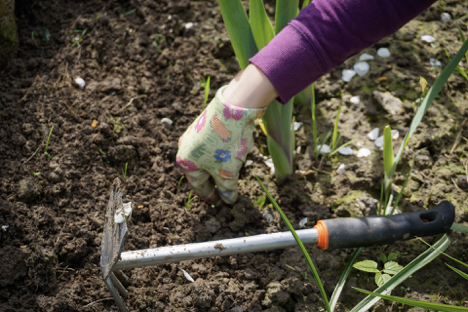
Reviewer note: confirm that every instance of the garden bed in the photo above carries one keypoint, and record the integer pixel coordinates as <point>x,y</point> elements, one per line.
<point>142,63</point>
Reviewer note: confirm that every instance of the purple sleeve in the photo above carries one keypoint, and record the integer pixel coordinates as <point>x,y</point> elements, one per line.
<point>325,34</point>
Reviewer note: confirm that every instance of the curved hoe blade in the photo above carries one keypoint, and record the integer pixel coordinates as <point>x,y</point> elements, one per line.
<point>114,233</point>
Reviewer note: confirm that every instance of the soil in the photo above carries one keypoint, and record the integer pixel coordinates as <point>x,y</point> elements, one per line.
<point>61,147</point>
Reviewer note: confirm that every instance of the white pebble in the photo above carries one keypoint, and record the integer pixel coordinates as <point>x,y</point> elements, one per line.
<point>187,276</point>
<point>269,162</point>
<point>248,162</point>
<point>341,169</point>
<point>297,125</point>
<point>361,68</point>
<point>345,151</point>
<point>434,62</point>
<point>374,134</point>
<point>395,134</point>
<point>366,57</point>
<point>363,152</point>
<point>347,74</point>
<point>302,223</point>
<point>5,227</point>
<point>355,100</point>
<point>445,17</point>
<point>428,38</point>
<point>79,81</point>
<point>383,53</point>
<point>324,149</point>
<point>188,25</point>
<point>167,121</point>
<point>379,141</point>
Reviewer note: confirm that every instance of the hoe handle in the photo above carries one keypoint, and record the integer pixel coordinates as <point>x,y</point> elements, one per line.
<point>381,230</point>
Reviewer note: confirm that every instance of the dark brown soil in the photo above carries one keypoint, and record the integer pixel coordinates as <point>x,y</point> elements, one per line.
<point>53,193</point>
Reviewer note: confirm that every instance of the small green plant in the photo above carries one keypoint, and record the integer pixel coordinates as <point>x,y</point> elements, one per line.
<point>46,33</point>
<point>124,171</point>
<point>384,275</point>
<point>260,202</point>
<point>206,85</point>
<point>79,38</point>
<point>129,12</point>
<point>189,201</point>
<point>36,174</point>
<point>99,149</point>
<point>47,142</point>
<point>180,181</point>
<point>34,35</point>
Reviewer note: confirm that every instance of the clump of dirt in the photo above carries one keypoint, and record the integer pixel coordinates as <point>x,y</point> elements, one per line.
<point>142,63</point>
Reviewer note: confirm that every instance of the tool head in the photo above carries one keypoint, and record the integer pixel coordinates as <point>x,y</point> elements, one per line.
<point>115,229</point>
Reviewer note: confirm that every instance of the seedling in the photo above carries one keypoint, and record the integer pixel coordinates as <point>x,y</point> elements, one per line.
<point>124,171</point>
<point>47,142</point>
<point>129,12</point>
<point>260,202</point>
<point>178,184</point>
<point>206,85</point>
<point>381,276</point>
<point>77,40</point>
<point>46,33</point>
<point>189,201</point>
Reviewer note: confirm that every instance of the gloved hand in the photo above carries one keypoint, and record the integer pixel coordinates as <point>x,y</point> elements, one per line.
<point>215,146</point>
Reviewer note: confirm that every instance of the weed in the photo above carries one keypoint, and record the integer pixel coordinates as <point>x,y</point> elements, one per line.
<point>129,12</point>
<point>101,151</point>
<point>46,33</point>
<point>260,202</point>
<point>206,85</point>
<point>189,201</point>
<point>77,40</point>
<point>178,184</point>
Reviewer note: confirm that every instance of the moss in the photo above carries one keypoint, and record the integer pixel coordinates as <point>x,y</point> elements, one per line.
<point>346,205</point>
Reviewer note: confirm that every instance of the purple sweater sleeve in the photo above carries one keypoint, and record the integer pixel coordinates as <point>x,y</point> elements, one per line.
<point>325,34</point>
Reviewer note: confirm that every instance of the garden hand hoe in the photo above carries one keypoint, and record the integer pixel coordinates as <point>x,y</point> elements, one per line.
<point>333,233</point>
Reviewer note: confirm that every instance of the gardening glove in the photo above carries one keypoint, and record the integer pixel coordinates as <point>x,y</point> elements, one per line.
<point>215,147</point>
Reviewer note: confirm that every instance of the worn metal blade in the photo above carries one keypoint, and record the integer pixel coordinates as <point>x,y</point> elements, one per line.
<point>114,233</point>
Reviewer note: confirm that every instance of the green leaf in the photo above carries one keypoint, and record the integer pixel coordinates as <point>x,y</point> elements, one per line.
<point>304,4</point>
<point>46,33</point>
<point>301,246</point>
<point>462,39</point>
<point>341,282</point>
<point>388,153</point>
<point>286,10</point>
<point>342,145</point>
<point>381,279</point>
<point>459,228</point>
<point>458,271</point>
<point>238,28</point>
<point>383,257</point>
<point>416,303</point>
<point>260,201</point>
<point>261,27</point>
<point>392,256</point>
<point>392,267</point>
<point>423,83</point>
<point>430,96</point>
<point>366,266</point>
<point>423,259</point>
<point>335,129</point>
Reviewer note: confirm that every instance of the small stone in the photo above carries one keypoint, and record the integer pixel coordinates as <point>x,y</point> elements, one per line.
<point>297,125</point>
<point>347,74</point>
<point>383,52</point>
<point>248,162</point>
<point>346,151</point>
<point>445,17</point>
<point>80,82</point>
<point>29,190</point>
<point>390,103</point>
<point>94,123</point>
<point>5,227</point>
<point>187,276</point>
<point>363,152</point>
<point>395,134</point>
<point>435,62</point>
<point>366,57</point>
<point>374,134</point>
<point>462,182</point>
<point>268,216</point>
<point>166,121</point>
<point>355,100</point>
<point>324,149</point>
<point>379,141</point>
<point>428,38</point>
<point>188,25</point>
<point>361,68</point>
<point>341,169</point>
<point>302,223</point>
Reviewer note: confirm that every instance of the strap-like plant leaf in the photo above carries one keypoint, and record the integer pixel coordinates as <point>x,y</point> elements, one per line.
<point>408,270</point>
<point>430,96</point>
<point>341,282</point>
<point>286,10</point>
<point>458,271</point>
<point>261,27</point>
<point>299,242</point>
<point>459,228</point>
<point>238,27</point>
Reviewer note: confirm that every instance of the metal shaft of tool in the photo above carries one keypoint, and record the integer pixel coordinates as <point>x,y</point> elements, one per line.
<point>170,254</point>
<point>116,295</point>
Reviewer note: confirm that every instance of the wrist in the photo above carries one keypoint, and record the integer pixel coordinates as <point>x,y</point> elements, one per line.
<point>250,89</point>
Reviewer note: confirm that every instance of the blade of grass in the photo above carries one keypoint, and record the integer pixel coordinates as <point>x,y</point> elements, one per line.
<point>462,37</point>
<point>447,255</point>
<point>400,277</point>
<point>463,274</point>
<point>286,10</point>
<point>239,30</point>
<point>416,303</point>
<point>299,242</point>
<point>342,145</point>
<point>305,3</point>
<point>314,123</point>
<point>46,33</point>
<point>430,96</point>
<point>335,129</point>
<point>207,92</point>
<point>261,27</point>
<point>341,282</point>
<point>397,200</point>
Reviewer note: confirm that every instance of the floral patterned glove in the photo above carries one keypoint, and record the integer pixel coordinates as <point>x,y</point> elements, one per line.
<point>216,145</point>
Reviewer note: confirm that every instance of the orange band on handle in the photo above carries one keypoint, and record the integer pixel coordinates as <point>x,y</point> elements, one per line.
<point>322,235</point>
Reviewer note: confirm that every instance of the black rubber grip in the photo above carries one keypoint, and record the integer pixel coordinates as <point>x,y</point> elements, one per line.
<point>381,230</point>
